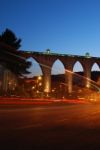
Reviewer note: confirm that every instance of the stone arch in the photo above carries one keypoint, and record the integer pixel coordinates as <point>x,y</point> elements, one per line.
<point>78,73</point>
<point>57,67</point>
<point>95,72</point>
<point>58,79</point>
<point>95,67</point>
<point>78,67</point>
<point>35,69</point>
<point>35,80</point>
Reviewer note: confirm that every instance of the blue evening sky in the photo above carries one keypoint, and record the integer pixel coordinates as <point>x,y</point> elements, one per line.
<point>64,26</point>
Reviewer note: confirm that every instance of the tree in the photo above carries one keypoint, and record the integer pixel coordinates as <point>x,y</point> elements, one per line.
<point>9,38</point>
<point>10,56</point>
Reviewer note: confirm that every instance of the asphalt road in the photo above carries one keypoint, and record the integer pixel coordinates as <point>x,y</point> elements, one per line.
<point>66,127</point>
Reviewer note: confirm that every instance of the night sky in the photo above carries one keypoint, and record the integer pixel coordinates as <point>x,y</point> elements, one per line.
<point>64,26</point>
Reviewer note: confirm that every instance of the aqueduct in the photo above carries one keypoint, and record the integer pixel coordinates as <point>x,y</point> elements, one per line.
<point>47,59</point>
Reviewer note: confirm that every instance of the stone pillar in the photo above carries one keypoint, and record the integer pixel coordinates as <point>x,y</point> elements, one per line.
<point>69,78</point>
<point>87,75</point>
<point>1,78</point>
<point>5,80</point>
<point>47,80</point>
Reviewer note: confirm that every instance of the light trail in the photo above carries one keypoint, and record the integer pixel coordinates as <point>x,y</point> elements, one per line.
<point>93,83</point>
<point>85,78</point>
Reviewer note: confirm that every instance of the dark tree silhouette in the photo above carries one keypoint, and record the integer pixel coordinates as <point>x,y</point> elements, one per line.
<point>9,38</point>
<point>10,56</point>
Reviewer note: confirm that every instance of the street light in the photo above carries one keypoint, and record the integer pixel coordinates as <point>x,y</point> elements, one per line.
<point>39,78</point>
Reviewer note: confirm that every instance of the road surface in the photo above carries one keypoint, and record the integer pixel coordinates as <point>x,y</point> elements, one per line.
<point>66,127</point>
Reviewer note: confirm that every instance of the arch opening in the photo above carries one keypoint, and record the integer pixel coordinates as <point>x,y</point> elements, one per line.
<point>95,73</point>
<point>33,85</point>
<point>57,68</point>
<point>78,79</point>
<point>58,79</point>
<point>35,69</point>
<point>77,67</point>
